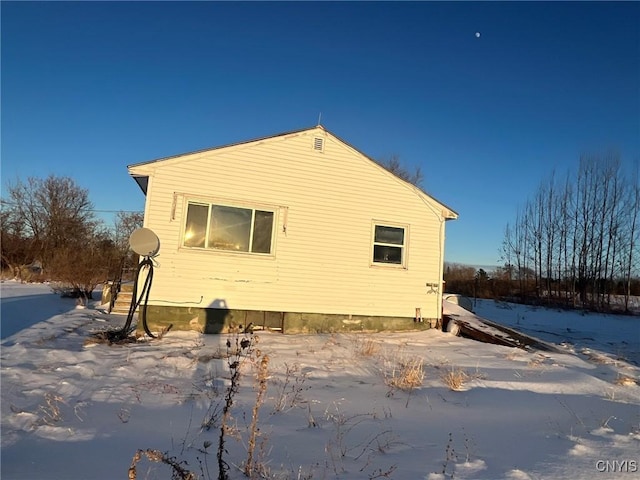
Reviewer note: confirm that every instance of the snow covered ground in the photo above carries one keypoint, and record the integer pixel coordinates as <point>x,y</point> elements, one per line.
<point>72,410</point>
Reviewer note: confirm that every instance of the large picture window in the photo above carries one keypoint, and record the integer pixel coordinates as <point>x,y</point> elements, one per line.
<point>224,227</point>
<point>389,245</point>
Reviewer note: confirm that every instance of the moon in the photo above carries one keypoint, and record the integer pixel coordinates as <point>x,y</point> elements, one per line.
<point>477,34</point>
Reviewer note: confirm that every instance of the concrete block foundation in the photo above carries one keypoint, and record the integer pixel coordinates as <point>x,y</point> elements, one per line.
<point>219,320</point>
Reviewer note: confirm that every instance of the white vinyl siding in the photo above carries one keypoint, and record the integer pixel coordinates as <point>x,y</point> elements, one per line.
<point>322,246</point>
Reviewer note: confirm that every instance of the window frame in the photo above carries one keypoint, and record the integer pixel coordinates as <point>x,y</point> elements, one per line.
<point>210,203</point>
<point>404,248</point>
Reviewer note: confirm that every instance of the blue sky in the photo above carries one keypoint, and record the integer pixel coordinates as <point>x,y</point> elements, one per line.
<point>89,88</point>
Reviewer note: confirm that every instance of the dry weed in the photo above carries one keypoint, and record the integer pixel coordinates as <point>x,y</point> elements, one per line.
<point>597,357</point>
<point>366,347</point>
<point>624,380</point>
<point>179,472</point>
<point>406,374</point>
<point>290,390</point>
<point>535,362</point>
<point>455,378</point>
<point>331,342</point>
<point>261,387</point>
<point>514,355</point>
<point>51,411</point>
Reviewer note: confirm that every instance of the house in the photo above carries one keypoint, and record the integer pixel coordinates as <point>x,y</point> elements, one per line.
<point>299,232</point>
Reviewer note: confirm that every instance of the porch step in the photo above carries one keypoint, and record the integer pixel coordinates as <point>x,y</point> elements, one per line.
<point>123,300</point>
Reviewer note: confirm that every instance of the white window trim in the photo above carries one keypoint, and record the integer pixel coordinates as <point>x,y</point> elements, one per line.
<point>405,246</point>
<point>233,204</point>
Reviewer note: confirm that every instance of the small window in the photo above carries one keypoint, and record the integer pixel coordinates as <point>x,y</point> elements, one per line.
<point>225,227</point>
<point>318,144</point>
<point>389,245</point>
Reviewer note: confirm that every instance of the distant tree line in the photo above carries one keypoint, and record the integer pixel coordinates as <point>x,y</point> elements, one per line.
<point>49,231</point>
<point>499,283</point>
<point>575,243</point>
<point>477,283</point>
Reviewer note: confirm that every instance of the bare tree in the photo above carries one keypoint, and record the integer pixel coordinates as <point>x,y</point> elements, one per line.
<point>395,166</point>
<point>16,248</point>
<point>81,268</point>
<point>459,278</point>
<point>515,251</point>
<point>51,221</point>
<point>55,212</point>
<point>579,238</point>
<point>125,223</point>
<point>125,260</point>
<point>564,270</point>
<point>629,258</point>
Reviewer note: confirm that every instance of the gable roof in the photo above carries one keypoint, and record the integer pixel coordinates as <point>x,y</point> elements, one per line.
<point>228,145</point>
<point>142,179</point>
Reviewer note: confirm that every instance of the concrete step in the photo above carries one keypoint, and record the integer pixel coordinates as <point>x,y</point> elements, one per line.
<point>124,297</point>
<point>126,287</point>
<point>123,300</point>
<point>121,306</point>
<point>120,311</point>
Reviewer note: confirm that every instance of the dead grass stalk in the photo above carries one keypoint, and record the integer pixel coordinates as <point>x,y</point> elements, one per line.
<point>406,374</point>
<point>455,378</point>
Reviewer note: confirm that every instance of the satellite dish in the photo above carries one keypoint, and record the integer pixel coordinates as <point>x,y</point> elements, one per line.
<point>144,242</point>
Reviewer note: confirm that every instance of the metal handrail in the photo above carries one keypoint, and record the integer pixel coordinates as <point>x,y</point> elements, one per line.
<point>116,285</point>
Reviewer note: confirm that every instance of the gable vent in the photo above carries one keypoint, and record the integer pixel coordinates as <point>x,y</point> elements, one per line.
<point>318,144</point>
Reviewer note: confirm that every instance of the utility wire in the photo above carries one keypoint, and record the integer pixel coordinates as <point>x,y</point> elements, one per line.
<point>94,210</point>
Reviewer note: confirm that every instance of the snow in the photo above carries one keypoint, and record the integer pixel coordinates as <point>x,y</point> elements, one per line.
<point>72,410</point>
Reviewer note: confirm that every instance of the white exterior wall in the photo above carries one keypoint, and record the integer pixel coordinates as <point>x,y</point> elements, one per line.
<point>322,260</point>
